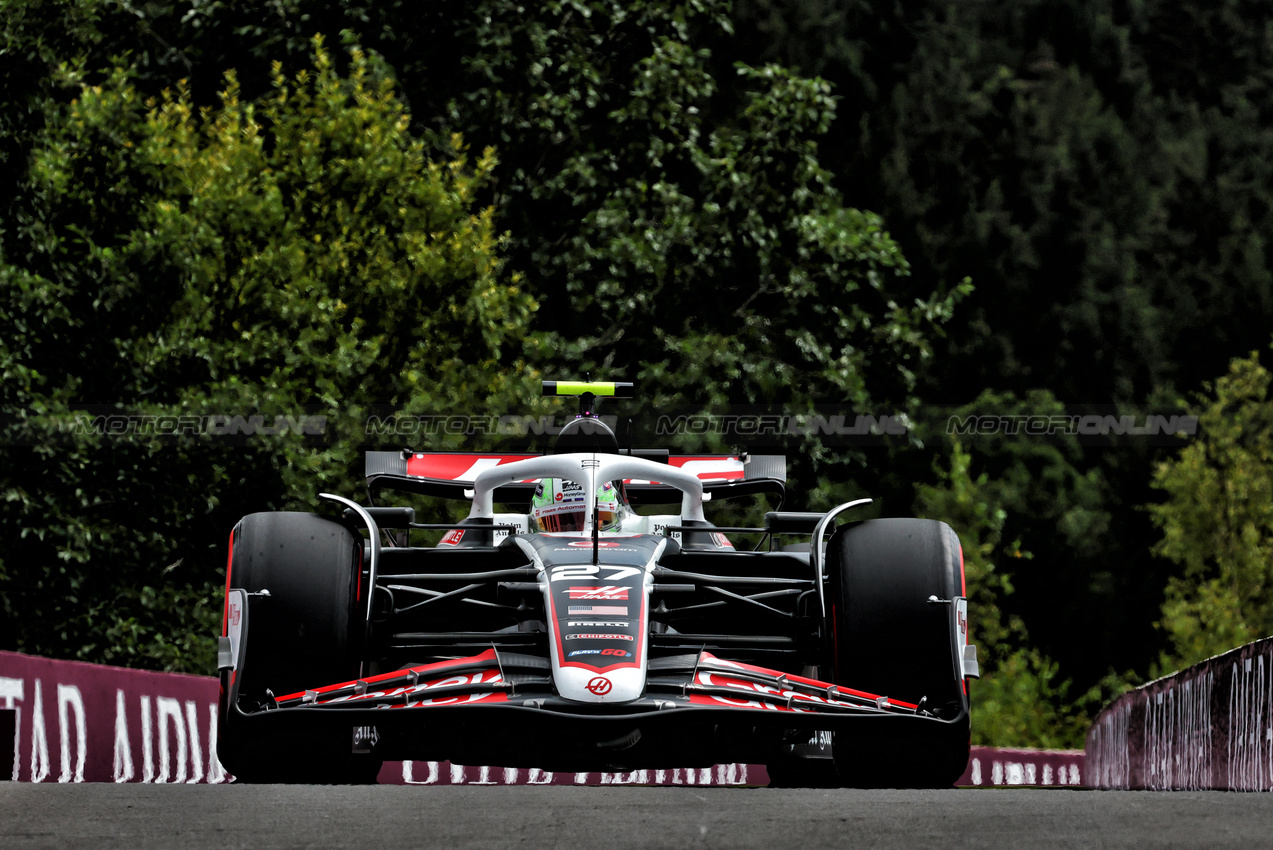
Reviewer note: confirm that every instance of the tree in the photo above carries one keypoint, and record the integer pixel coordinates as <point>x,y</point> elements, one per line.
<point>295,257</point>
<point>1100,169</point>
<point>669,208</point>
<point>1217,521</point>
<point>1021,698</point>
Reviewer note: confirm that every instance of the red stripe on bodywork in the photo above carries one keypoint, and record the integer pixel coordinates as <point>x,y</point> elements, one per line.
<point>358,573</point>
<point>225,612</point>
<point>791,677</point>
<point>436,667</point>
<point>450,467</point>
<point>681,460</point>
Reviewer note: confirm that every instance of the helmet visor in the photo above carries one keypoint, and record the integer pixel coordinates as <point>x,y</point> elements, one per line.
<point>561,518</point>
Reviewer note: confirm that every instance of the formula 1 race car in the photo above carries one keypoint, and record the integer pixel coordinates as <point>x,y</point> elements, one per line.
<point>572,631</point>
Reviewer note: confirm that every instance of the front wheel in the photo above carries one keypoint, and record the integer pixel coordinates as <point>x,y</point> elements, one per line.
<point>891,640</point>
<point>304,630</point>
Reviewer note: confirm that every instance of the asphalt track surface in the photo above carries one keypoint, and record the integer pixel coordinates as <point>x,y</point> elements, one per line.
<point>141,817</point>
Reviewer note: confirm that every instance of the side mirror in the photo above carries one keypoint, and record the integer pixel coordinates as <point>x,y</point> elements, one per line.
<point>791,522</point>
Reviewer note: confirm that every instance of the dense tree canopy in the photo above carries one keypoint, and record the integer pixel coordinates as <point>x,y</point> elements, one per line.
<point>1098,168</point>
<point>1217,522</point>
<point>299,260</point>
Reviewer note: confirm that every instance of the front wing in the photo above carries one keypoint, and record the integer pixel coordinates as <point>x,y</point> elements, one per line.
<point>504,701</point>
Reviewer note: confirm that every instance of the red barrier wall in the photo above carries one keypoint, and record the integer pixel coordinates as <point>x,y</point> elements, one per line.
<point>1207,727</point>
<point>76,722</point>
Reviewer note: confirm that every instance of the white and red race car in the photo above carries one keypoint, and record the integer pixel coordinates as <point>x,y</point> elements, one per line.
<point>606,639</point>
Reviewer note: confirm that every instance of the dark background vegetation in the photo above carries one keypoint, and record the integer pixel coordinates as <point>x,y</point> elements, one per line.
<point>925,209</point>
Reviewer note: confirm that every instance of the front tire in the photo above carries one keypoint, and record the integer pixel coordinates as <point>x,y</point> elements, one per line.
<point>305,633</point>
<point>890,640</point>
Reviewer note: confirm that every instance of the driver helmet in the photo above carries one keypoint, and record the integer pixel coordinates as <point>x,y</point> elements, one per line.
<point>558,505</point>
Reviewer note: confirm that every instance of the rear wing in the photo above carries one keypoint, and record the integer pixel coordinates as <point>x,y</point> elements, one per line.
<point>450,475</point>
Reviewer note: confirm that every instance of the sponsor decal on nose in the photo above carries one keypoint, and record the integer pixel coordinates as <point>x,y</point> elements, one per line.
<point>607,593</point>
<point>599,610</point>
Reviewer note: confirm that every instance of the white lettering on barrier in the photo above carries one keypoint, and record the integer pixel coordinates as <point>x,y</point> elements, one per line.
<point>123,759</point>
<point>408,773</point>
<point>169,709</point>
<point>70,700</point>
<point>216,773</point>
<point>39,739</point>
<point>1108,747</point>
<point>1025,773</point>
<point>147,745</point>
<point>636,777</point>
<point>510,775</point>
<point>196,751</point>
<point>181,753</point>
<point>1250,744</point>
<point>174,723</point>
<point>1177,746</point>
<point>10,690</point>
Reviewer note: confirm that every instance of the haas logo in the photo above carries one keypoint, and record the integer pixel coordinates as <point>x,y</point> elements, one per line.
<point>609,592</point>
<point>600,686</point>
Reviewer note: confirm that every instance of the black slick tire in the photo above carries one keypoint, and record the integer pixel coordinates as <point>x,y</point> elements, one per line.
<point>304,631</point>
<point>889,639</point>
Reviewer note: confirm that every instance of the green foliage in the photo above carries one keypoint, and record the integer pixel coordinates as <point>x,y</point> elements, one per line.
<point>1101,170</point>
<point>1095,166</point>
<point>296,256</point>
<point>973,507</point>
<point>1217,522</point>
<point>1020,699</point>
<point>671,209</point>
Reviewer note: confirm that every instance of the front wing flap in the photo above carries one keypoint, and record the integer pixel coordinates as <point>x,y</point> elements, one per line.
<point>690,682</point>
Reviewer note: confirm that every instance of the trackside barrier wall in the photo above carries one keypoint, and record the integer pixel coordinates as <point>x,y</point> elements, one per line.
<point>998,766</point>
<point>77,722</point>
<point>68,721</point>
<point>1207,727</point>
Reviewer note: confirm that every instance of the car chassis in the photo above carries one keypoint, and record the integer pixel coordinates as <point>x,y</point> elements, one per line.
<point>655,645</point>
